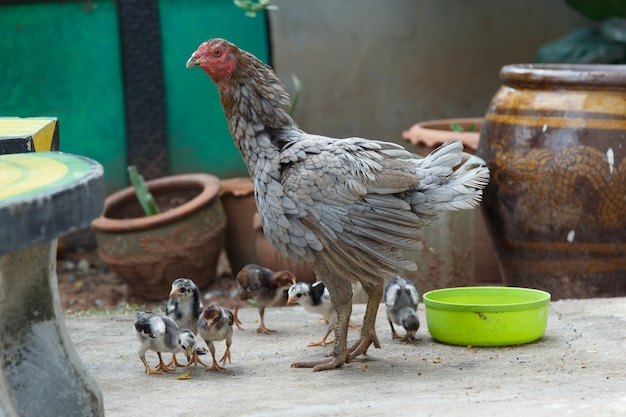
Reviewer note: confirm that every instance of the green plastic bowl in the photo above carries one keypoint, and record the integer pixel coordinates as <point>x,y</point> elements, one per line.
<point>486,316</point>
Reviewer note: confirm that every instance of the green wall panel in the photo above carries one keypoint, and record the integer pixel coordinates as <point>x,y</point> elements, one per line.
<point>62,59</point>
<point>197,130</point>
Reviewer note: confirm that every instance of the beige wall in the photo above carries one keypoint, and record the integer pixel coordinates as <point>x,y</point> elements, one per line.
<point>373,68</point>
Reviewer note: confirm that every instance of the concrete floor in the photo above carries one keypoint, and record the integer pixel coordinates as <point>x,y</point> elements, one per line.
<point>577,369</point>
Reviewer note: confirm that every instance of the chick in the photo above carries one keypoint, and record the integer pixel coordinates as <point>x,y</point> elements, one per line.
<point>160,334</point>
<point>265,287</point>
<point>216,324</point>
<point>315,299</point>
<point>401,298</point>
<point>184,307</point>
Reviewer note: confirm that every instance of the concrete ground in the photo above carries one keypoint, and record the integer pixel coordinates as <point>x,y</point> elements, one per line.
<point>577,369</point>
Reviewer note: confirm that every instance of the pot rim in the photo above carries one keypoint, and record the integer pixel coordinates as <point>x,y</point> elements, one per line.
<point>433,133</point>
<point>210,185</point>
<point>581,75</point>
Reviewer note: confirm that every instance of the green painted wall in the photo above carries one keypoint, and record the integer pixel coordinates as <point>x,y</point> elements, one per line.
<point>61,59</point>
<point>197,130</point>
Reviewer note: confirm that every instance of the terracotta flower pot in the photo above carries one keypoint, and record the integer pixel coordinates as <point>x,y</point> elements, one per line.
<point>237,195</point>
<point>184,240</point>
<point>270,258</point>
<point>553,138</point>
<point>429,134</point>
<point>426,136</point>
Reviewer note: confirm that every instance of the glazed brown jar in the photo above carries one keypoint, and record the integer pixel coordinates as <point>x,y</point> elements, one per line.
<point>554,139</point>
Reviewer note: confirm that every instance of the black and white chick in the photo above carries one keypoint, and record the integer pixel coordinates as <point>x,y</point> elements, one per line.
<point>401,299</point>
<point>315,299</point>
<point>216,324</point>
<point>160,334</point>
<point>266,287</point>
<point>184,307</point>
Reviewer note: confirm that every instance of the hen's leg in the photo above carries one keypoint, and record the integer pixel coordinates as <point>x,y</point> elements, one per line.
<point>368,331</point>
<point>341,296</point>
<point>262,328</point>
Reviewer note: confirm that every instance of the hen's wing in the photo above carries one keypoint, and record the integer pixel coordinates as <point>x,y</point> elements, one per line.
<point>349,192</point>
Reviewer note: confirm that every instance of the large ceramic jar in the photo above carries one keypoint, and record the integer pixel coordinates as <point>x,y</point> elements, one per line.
<point>554,139</point>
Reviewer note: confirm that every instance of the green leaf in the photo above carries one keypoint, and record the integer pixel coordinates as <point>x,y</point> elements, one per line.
<point>585,46</point>
<point>599,9</point>
<point>145,198</point>
<point>297,87</point>
<point>455,127</point>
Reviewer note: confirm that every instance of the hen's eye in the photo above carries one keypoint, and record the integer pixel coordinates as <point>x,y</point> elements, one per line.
<point>217,53</point>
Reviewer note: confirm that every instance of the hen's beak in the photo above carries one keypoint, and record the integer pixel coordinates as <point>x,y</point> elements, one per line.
<point>192,62</point>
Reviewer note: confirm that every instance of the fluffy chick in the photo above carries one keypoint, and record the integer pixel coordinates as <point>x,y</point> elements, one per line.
<point>265,287</point>
<point>184,307</point>
<point>315,299</point>
<point>401,299</point>
<point>160,334</point>
<point>216,324</point>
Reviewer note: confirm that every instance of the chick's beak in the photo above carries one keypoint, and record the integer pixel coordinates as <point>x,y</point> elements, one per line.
<point>192,62</point>
<point>291,301</point>
<point>174,293</point>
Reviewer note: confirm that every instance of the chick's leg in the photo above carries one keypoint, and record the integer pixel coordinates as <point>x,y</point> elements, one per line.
<point>323,342</point>
<point>262,328</point>
<point>216,366</point>
<point>227,353</point>
<point>162,366</point>
<point>174,362</point>
<point>235,318</point>
<point>368,331</point>
<point>341,296</point>
<point>149,370</point>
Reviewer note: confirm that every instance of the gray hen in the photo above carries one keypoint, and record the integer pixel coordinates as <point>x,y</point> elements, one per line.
<point>349,207</point>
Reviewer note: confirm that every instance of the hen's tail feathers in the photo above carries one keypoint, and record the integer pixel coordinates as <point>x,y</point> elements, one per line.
<point>453,180</point>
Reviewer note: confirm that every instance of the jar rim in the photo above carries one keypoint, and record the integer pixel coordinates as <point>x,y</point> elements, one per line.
<point>563,74</point>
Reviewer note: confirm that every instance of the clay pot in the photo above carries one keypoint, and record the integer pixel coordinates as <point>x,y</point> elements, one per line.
<point>237,195</point>
<point>270,258</point>
<point>429,134</point>
<point>184,240</point>
<point>426,136</point>
<point>553,138</point>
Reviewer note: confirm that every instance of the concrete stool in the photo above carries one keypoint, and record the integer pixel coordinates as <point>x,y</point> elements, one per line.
<point>42,196</point>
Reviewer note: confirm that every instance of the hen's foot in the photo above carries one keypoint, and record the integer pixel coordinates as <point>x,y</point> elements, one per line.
<point>322,365</point>
<point>361,346</point>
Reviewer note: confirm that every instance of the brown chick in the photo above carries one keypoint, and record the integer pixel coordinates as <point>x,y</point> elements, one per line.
<point>265,287</point>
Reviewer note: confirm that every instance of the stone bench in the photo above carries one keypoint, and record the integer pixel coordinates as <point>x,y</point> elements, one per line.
<point>43,195</point>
